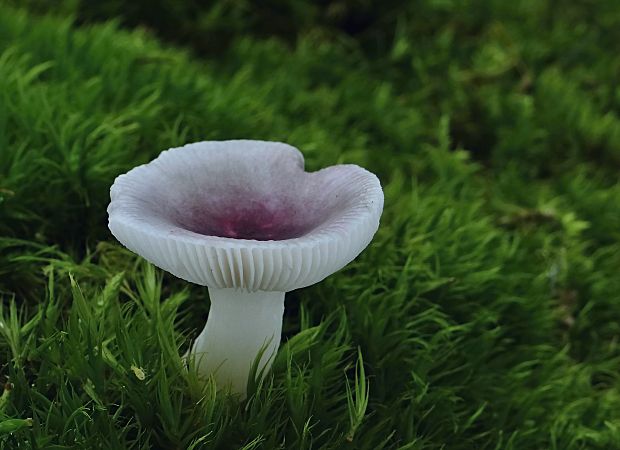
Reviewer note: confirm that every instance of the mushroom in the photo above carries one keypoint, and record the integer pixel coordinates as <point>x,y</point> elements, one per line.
<point>243,218</point>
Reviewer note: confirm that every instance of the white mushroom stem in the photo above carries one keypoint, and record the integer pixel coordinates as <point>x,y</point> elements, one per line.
<point>239,326</point>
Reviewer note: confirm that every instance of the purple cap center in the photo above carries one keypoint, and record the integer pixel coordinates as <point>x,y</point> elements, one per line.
<point>248,219</point>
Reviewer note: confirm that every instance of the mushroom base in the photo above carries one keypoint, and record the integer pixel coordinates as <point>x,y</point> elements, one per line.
<point>240,325</point>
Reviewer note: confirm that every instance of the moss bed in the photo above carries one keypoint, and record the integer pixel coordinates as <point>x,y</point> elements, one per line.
<point>486,312</point>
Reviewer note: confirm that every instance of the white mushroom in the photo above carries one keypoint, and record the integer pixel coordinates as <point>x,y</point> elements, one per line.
<point>243,218</point>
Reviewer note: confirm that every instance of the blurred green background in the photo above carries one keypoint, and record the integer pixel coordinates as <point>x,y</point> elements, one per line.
<point>486,312</point>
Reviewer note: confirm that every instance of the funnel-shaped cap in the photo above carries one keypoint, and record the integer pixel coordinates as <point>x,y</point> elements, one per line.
<point>244,214</point>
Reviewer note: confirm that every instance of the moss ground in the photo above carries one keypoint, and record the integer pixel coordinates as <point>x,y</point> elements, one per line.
<point>486,312</point>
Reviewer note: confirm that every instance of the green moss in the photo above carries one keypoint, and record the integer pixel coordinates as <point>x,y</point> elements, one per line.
<point>484,314</point>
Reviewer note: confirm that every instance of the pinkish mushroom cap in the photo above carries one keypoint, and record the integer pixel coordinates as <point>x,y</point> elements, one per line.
<point>244,214</point>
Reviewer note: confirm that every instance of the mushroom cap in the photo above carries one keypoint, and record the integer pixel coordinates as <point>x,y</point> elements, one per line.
<point>244,214</point>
